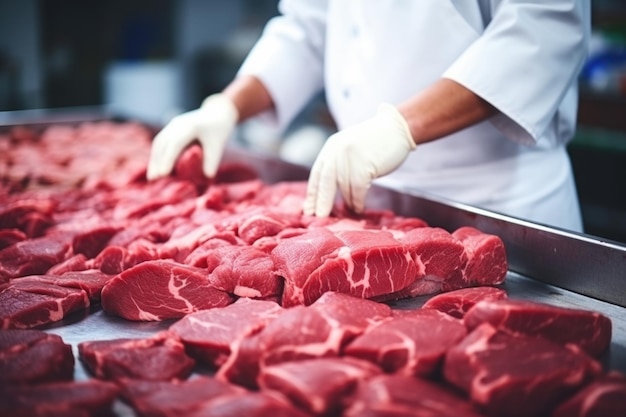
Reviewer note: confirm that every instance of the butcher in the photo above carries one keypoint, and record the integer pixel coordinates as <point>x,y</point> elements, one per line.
<point>471,100</point>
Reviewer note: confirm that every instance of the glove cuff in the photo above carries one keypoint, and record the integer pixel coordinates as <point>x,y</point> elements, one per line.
<point>392,113</point>
<point>219,102</point>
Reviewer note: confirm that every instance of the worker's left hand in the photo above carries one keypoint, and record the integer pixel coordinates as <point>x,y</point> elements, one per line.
<point>352,158</point>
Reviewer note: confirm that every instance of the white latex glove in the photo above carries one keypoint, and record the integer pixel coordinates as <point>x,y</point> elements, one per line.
<point>212,125</point>
<point>352,158</point>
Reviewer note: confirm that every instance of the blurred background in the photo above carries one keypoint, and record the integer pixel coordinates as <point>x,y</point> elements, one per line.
<point>152,59</point>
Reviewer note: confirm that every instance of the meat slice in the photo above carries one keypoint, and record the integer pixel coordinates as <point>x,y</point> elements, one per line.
<point>9,237</point>
<point>249,404</point>
<point>33,256</point>
<point>209,334</point>
<point>589,330</point>
<point>487,261</point>
<point>516,375</point>
<point>405,396</point>
<point>411,344</point>
<point>56,399</point>
<point>33,356</point>
<point>604,397</point>
<point>173,398</point>
<point>441,258</point>
<point>159,290</point>
<point>244,271</point>
<point>161,357</point>
<point>457,302</point>
<point>362,263</point>
<point>25,305</point>
<point>324,328</point>
<point>319,386</point>
<point>91,281</point>
<point>268,223</point>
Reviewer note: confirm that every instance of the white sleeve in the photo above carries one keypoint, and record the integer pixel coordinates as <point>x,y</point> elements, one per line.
<point>526,61</point>
<point>288,57</point>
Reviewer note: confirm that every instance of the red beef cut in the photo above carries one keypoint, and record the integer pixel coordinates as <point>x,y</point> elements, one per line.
<point>266,224</point>
<point>411,344</point>
<point>487,261</point>
<point>604,397</point>
<point>33,256</point>
<point>173,398</point>
<point>249,404</point>
<point>362,263</point>
<point>161,357</point>
<point>244,271</point>
<point>318,386</point>
<point>159,290</point>
<point>323,329</point>
<point>516,375</point>
<point>590,330</point>
<point>91,281</point>
<point>457,302</point>
<point>209,334</point>
<point>25,305</point>
<point>405,396</point>
<point>34,356</point>
<point>56,399</point>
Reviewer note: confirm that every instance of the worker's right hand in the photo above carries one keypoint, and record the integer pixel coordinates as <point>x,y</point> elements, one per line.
<point>212,125</point>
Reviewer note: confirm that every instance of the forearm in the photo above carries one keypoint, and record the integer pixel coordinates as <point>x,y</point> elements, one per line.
<point>249,96</point>
<point>442,109</point>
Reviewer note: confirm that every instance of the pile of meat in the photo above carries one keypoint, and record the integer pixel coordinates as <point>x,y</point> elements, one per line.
<point>163,249</point>
<point>273,312</point>
<point>466,353</point>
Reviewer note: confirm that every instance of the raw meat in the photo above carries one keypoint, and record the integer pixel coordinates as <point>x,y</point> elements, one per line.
<point>516,375</point>
<point>59,399</point>
<point>487,261</point>
<point>405,396</point>
<point>324,328</point>
<point>33,356</point>
<point>209,334</point>
<point>590,330</point>
<point>244,271</point>
<point>362,263</point>
<point>318,386</point>
<point>412,344</point>
<point>161,357</point>
<point>604,397</point>
<point>91,281</point>
<point>269,223</point>
<point>33,256</point>
<point>249,404</point>
<point>173,398</point>
<point>457,302</point>
<point>159,290</point>
<point>26,304</point>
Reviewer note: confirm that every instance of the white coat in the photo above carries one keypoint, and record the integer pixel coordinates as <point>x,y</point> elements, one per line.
<point>522,56</point>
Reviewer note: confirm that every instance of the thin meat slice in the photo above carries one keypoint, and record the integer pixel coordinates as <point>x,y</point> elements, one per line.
<point>604,397</point>
<point>324,328</point>
<point>244,271</point>
<point>25,305</point>
<point>209,334</point>
<point>362,263</point>
<point>34,356</point>
<point>411,344</point>
<point>457,302</point>
<point>516,375</point>
<point>268,223</point>
<point>405,396</point>
<point>161,357</point>
<point>159,290</point>
<point>59,399</point>
<point>319,386</point>
<point>589,330</point>
<point>173,398</point>
<point>487,261</point>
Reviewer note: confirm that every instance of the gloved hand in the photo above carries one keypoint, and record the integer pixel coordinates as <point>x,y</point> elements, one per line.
<point>212,125</point>
<point>352,158</point>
